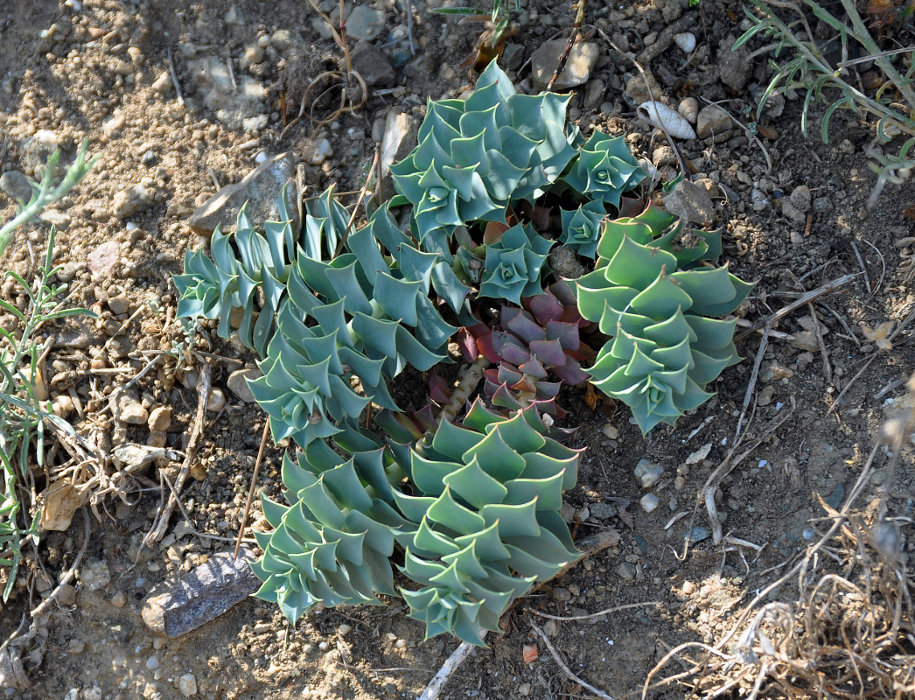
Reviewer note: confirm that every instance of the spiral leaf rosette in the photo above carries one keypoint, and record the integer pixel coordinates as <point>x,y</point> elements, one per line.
<point>481,526</point>
<point>514,264</point>
<point>666,345</point>
<point>319,319</point>
<point>604,169</point>
<point>475,156</point>
<point>535,350</point>
<point>487,514</point>
<point>581,228</point>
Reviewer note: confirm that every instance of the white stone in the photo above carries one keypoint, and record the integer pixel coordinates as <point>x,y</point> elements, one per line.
<point>686,41</point>
<point>649,502</point>
<point>187,684</point>
<point>647,473</point>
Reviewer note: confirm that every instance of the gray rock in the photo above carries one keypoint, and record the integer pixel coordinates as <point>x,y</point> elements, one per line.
<point>789,211</point>
<point>801,198</point>
<point>178,606</point>
<point>822,204</point>
<point>132,200</point>
<point>691,202</point>
<point>104,258</point>
<point>260,188</point>
<point>579,65</point>
<point>238,383</point>
<point>371,63</point>
<point>699,533</point>
<point>398,140</point>
<point>647,473</point>
<point>16,185</point>
<point>603,511</point>
<point>285,39</point>
<point>637,89</point>
<point>713,122</point>
<point>734,66</point>
<point>95,575</point>
<point>626,571</point>
<point>54,217</point>
<point>128,409</point>
<point>594,91</point>
<point>35,150</point>
<point>187,685</point>
<point>364,23</point>
<point>232,107</point>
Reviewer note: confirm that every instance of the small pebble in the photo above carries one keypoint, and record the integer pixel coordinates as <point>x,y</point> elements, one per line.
<point>67,595</point>
<point>649,502</point>
<point>216,400</point>
<point>152,663</point>
<point>160,418</point>
<point>119,599</point>
<point>647,473</point>
<point>400,644</point>
<point>344,629</point>
<point>610,431</point>
<point>187,684</point>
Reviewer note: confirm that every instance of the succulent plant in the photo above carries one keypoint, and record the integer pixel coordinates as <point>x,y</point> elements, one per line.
<point>514,264</point>
<point>475,156</point>
<point>666,345</point>
<point>656,228</point>
<point>248,271</point>
<point>487,514</point>
<point>482,526</point>
<point>581,227</point>
<point>535,349</point>
<point>317,318</point>
<point>333,544</point>
<point>604,169</point>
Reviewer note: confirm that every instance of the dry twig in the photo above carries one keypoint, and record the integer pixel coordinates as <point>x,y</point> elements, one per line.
<point>562,665</point>
<point>157,532</point>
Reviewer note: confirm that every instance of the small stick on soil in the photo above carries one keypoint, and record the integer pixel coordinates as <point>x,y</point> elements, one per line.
<point>565,669</point>
<point>171,70</point>
<point>751,386</point>
<point>867,277</point>
<point>576,32</point>
<point>882,266</point>
<point>68,576</point>
<point>257,470</point>
<point>835,404</point>
<point>591,616</point>
<point>438,681</point>
<point>800,301</point>
<point>827,367</point>
<point>203,395</point>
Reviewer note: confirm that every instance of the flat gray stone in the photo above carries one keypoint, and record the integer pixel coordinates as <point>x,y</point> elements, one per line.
<point>713,122</point>
<point>364,23</point>
<point>260,188</point>
<point>16,185</point>
<point>371,63</point>
<point>577,70</point>
<point>691,202</point>
<point>238,383</point>
<point>178,606</point>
